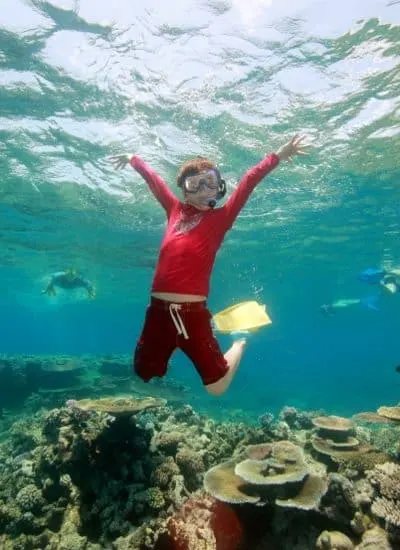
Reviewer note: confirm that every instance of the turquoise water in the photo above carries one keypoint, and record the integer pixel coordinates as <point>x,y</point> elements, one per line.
<point>231,81</point>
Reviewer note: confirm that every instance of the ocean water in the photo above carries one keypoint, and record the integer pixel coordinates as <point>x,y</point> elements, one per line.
<point>231,80</point>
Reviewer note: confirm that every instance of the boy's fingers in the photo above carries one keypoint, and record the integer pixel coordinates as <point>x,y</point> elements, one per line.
<point>299,140</point>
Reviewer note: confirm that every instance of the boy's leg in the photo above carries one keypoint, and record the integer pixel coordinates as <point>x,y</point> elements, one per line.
<point>216,369</point>
<point>233,357</point>
<point>155,345</point>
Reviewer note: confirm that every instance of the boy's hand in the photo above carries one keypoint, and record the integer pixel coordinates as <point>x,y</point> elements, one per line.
<point>292,148</point>
<point>120,161</point>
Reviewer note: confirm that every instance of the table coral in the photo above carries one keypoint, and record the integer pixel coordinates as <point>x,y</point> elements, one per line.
<point>279,474</point>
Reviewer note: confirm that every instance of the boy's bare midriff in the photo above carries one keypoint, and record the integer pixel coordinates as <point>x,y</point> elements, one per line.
<point>178,298</point>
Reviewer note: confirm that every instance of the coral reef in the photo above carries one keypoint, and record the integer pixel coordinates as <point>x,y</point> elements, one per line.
<point>47,381</point>
<point>97,471</point>
<point>128,473</point>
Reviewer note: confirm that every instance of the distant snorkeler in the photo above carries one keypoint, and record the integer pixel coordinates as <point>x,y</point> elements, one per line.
<point>389,281</point>
<point>330,309</point>
<point>69,280</point>
<point>370,302</point>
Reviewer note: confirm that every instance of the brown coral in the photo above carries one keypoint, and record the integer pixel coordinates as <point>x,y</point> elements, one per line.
<point>189,462</point>
<point>381,416</point>
<point>222,483</point>
<point>282,476</point>
<point>361,458</point>
<point>374,539</point>
<point>167,442</point>
<point>392,413</point>
<point>333,540</point>
<point>327,447</point>
<point>205,524</point>
<point>374,418</point>
<point>386,509</point>
<point>62,364</point>
<point>333,435</point>
<point>309,496</point>
<point>349,443</point>
<point>386,480</point>
<point>333,424</point>
<point>386,477</point>
<point>119,406</point>
<point>164,472</point>
<point>286,464</point>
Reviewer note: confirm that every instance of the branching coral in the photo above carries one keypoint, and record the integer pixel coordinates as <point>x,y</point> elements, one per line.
<point>205,524</point>
<point>385,478</point>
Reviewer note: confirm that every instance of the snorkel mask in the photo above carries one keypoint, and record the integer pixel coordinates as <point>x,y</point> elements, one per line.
<point>211,179</point>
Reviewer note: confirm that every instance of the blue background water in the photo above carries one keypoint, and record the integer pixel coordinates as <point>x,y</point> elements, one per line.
<point>230,80</point>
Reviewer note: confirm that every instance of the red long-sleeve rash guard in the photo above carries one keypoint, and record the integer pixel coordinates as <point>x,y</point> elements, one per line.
<point>193,237</point>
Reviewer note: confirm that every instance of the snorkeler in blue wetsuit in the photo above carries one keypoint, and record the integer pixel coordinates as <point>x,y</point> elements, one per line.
<point>389,281</point>
<point>69,280</point>
<point>370,302</point>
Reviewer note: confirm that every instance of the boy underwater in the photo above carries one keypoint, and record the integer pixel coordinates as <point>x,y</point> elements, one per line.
<point>177,316</point>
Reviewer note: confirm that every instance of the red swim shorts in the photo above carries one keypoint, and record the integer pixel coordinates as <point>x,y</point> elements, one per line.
<point>186,326</point>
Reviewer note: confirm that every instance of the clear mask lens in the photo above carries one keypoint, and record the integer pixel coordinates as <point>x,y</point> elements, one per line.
<point>207,179</point>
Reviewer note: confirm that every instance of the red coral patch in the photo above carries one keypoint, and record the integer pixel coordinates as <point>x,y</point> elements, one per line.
<point>205,524</point>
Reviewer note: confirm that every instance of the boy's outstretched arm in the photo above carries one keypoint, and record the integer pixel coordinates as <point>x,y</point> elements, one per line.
<point>155,182</point>
<point>255,174</point>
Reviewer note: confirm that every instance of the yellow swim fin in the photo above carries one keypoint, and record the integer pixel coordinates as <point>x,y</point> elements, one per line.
<point>243,316</point>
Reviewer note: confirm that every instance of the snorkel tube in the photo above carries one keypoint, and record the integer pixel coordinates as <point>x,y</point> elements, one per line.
<point>220,193</point>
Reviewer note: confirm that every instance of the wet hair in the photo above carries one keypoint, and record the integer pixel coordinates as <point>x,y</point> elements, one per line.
<point>193,167</point>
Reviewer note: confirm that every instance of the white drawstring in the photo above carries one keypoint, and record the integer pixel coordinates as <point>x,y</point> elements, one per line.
<point>177,319</point>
